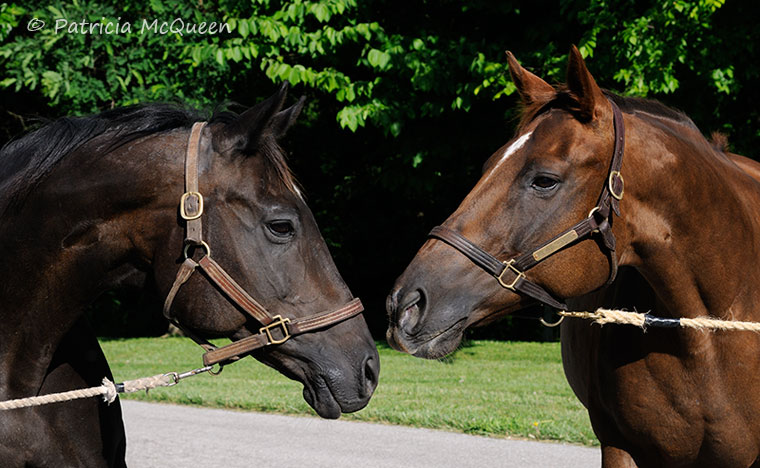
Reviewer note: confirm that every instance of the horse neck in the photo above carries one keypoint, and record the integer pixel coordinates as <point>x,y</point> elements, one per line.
<point>75,236</point>
<point>691,220</point>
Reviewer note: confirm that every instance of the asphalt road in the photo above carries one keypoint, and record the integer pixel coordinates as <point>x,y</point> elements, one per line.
<point>179,436</point>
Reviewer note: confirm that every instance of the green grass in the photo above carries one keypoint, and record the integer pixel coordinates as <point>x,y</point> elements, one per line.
<point>490,388</point>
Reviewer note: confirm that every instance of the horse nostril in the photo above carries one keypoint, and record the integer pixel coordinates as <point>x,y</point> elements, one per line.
<point>410,311</point>
<point>371,373</point>
<point>391,303</point>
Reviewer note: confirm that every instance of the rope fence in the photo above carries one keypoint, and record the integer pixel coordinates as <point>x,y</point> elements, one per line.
<point>108,390</point>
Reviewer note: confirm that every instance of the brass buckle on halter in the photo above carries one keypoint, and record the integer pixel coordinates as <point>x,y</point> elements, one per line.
<point>611,185</point>
<point>510,266</point>
<point>183,206</point>
<point>278,322</point>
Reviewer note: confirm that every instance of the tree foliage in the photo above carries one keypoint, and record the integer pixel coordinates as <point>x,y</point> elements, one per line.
<point>406,99</point>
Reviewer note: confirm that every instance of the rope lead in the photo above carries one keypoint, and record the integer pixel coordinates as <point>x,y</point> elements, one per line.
<point>108,390</point>
<point>605,316</point>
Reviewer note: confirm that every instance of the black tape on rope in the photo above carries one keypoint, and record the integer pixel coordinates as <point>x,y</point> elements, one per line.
<point>652,321</point>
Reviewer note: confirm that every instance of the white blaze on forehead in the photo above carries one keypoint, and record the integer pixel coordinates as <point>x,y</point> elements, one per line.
<point>516,145</point>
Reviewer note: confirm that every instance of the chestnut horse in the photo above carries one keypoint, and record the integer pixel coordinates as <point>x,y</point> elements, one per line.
<point>91,203</point>
<point>679,216</point>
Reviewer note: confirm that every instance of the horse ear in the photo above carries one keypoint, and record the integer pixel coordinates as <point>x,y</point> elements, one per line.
<point>244,133</point>
<point>530,87</point>
<point>283,120</point>
<point>583,86</point>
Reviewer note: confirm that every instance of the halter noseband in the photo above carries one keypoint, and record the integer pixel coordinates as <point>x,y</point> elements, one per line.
<point>511,273</point>
<point>276,329</point>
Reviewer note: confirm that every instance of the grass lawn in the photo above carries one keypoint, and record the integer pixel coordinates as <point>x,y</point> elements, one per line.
<point>492,388</point>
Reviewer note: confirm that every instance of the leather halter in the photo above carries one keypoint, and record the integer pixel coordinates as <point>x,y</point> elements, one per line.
<point>511,273</point>
<point>276,329</point>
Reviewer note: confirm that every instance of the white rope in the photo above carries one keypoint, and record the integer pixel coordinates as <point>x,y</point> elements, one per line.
<point>605,316</point>
<point>108,390</point>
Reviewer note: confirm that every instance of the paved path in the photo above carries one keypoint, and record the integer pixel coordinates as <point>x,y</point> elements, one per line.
<point>170,436</point>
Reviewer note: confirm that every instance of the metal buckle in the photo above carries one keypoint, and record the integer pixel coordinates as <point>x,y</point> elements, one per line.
<point>278,322</point>
<point>202,245</point>
<point>552,324</point>
<point>175,378</point>
<point>510,266</point>
<point>183,210</point>
<point>591,213</point>
<point>616,196</point>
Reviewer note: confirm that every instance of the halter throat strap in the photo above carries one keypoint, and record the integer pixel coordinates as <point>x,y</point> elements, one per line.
<point>275,329</point>
<point>511,273</point>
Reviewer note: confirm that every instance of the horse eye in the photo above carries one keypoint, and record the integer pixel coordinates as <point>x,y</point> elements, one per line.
<point>544,183</point>
<point>281,228</point>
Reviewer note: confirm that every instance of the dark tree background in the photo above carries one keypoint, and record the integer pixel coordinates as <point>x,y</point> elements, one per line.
<point>406,100</point>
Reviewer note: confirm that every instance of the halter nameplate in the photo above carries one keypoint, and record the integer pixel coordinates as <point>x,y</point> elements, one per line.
<point>555,246</point>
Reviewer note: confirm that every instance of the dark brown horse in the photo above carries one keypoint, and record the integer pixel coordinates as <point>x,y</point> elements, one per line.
<point>687,240</point>
<point>88,204</point>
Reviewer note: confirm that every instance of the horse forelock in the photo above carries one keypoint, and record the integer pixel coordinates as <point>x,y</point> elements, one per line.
<point>562,99</point>
<point>275,156</point>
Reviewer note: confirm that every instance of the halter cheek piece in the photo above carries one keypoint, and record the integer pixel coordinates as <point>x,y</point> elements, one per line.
<point>511,273</point>
<point>275,329</point>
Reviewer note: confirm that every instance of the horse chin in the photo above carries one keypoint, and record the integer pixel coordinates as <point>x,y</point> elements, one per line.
<point>433,345</point>
<point>323,390</point>
<point>438,348</point>
<point>319,396</point>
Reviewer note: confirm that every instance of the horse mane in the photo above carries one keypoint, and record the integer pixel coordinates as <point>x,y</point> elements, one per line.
<point>566,100</point>
<point>719,141</point>
<point>27,161</point>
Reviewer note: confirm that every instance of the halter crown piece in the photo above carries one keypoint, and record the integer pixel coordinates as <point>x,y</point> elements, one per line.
<point>275,329</point>
<point>511,273</point>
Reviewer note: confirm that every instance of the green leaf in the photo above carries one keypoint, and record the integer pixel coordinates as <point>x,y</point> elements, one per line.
<point>321,12</point>
<point>243,28</point>
<point>378,58</point>
<point>237,55</point>
<point>294,76</point>
<point>122,83</point>
<point>51,83</point>
<point>196,55</point>
<point>138,76</point>
<point>350,117</point>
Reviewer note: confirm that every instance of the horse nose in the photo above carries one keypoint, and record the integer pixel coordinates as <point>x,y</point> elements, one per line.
<point>371,373</point>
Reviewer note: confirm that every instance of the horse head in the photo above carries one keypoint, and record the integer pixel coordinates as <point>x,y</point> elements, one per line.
<point>531,191</point>
<point>257,226</point>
